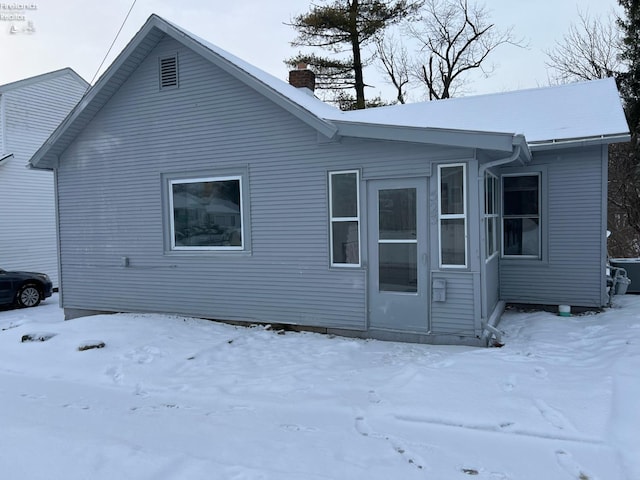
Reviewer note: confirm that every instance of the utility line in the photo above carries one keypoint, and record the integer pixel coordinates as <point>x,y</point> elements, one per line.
<point>114,41</point>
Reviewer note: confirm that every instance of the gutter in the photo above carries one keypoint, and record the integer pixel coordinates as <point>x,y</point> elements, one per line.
<point>581,142</point>
<point>489,328</point>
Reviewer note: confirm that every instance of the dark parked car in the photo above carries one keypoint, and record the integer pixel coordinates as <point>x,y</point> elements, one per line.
<point>24,289</point>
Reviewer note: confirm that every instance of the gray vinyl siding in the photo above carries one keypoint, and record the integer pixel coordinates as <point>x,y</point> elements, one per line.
<point>571,270</point>
<point>457,315</point>
<point>110,202</point>
<point>460,314</point>
<point>27,206</point>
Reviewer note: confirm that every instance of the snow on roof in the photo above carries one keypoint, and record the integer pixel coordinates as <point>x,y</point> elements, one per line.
<point>576,111</point>
<point>297,95</point>
<point>572,111</point>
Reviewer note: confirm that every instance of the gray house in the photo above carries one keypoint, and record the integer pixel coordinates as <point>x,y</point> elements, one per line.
<point>30,110</point>
<point>190,182</point>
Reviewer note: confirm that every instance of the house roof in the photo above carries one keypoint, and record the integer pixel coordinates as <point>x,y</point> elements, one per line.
<point>42,77</point>
<point>493,122</point>
<point>564,113</point>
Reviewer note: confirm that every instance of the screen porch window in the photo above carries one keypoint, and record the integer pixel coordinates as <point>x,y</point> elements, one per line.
<point>206,214</point>
<point>491,214</point>
<point>452,215</point>
<point>344,213</point>
<point>521,216</point>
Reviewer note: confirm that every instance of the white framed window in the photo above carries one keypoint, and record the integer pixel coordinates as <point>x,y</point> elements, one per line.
<point>452,215</point>
<point>206,213</point>
<point>491,214</point>
<point>521,236</point>
<point>344,218</point>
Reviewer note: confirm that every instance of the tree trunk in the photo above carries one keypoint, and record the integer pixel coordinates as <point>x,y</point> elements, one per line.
<point>357,57</point>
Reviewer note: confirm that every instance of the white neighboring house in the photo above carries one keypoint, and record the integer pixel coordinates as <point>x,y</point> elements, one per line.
<point>30,110</point>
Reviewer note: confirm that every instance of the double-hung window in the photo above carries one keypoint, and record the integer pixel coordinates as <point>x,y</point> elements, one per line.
<point>206,213</point>
<point>491,214</point>
<point>521,216</point>
<point>344,218</point>
<point>452,215</point>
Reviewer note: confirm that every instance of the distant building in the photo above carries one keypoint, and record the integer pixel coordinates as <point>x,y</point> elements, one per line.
<point>30,110</point>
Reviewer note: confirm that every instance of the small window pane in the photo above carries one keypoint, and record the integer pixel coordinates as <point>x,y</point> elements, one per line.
<point>207,214</point>
<point>397,214</point>
<point>490,205</point>
<point>344,194</point>
<point>398,267</point>
<point>452,190</point>
<point>521,236</point>
<point>491,236</point>
<point>520,195</point>
<point>452,241</point>
<point>346,248</point>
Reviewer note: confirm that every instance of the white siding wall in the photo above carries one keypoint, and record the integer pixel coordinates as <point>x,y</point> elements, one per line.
<point>27,206</point>
<point>2,149</point>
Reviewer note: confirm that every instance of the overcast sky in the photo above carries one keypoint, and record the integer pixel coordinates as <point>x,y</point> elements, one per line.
<point>53,34</point>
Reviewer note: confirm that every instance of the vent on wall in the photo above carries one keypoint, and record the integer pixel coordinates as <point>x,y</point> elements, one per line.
<point>169,72</point>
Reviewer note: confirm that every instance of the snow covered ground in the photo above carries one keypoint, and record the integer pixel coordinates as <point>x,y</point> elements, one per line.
<point>179,398</point>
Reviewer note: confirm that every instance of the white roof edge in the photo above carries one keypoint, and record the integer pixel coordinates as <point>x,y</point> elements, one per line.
<point>573,142</point>
<point>42,76</point>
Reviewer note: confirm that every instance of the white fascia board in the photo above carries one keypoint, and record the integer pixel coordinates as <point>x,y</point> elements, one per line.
<point>434,136</point>
<point>579,142</point>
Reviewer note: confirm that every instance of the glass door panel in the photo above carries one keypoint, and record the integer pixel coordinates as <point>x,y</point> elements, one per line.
<point>397,240</point>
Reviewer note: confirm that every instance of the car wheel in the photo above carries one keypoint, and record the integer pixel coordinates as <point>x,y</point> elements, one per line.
<point>28,296</point>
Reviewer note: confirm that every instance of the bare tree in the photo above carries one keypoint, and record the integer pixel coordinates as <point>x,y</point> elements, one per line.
<point>394,63</point>
<point>589,50</point>
<point>455,36</point>
<point>624,200</point>
<point>593,48</point>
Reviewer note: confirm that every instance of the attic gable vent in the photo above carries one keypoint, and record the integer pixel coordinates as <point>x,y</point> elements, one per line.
<point>169,72</point>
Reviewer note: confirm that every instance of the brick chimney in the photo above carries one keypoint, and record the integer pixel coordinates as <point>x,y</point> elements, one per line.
<point>302,77</point>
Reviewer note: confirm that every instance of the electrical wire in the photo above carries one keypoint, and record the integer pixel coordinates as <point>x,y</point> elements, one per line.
<point>114,42</point>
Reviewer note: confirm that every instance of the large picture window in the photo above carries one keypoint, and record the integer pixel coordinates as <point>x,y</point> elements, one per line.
<point>344,213</point>
<point>206,213</point>
<point>452,215</point>
<point>521,215</point>
<point>491,213</point>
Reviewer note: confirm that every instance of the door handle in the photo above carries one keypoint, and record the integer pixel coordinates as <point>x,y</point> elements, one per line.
<point>424,259</point>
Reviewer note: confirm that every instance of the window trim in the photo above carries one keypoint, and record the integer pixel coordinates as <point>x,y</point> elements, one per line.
<point>196,248</point>
<point>495,216</point>
<point>333,219</point>
<point>453,216</point>
<point>537,174</point>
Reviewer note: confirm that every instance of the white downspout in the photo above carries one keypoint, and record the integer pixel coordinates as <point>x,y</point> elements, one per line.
<point>489,328</point>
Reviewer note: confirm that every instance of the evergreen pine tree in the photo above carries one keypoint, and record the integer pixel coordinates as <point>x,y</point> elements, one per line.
<point>345,26</point>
